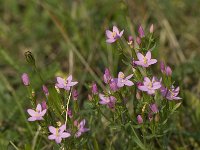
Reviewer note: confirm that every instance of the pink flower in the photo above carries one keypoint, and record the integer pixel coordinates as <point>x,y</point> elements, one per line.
<point>107,100</point>
<point>25,79</point>
<point>81,128</point>
<point>122,80</point>
<point>75,94</point>
<point>58,133</point>
<point>107,77</point>
<point>113,85</point>
<point>141,32</point>
<point>145,61</point>
<point>112,36</point>
<point>154,108</point>
<point>94,89</point>
<point>45,90</point>
<point>36,114</point>
<point>150,86</point>
<point>139,119</point>
<point>65,84</point>
<point>170,94</point>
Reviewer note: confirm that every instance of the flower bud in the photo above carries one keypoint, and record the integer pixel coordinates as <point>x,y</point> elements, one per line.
<point>25,79</point>
<point>107,77</point>
<point>150,116</point>
<point>45,90</point>
<point>75,94</point>
<point>168,71</point>
<point>138,40</point>
<point>139,119</point>
<point>154,108</point>
<point>141,32</point>
<point>94,89</point>
<point>69,113</point>
<point>44,105</point>
<point>151,28</point>
<point>130,41</point>
<point>162,66</point>
<point>29,58</point>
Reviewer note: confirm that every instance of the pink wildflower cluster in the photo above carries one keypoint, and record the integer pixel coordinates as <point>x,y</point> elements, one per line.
<point>38,114</point>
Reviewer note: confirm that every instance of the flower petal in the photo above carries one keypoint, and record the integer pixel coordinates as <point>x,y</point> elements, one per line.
<point>31,112</point>
<point>115,29</point>
<point>148,55</point>
<point>39,107</point>
<point>140,56</point>
<point>69,79</point>
<point>52,129</point>
<point>51,137</point>
<point>62,128</point>
<point>32,119</point>
<point>65,135</point>
<point>110,40</point>
<point>129,83</point>
<point>109,34</point>
<point>58,140</point>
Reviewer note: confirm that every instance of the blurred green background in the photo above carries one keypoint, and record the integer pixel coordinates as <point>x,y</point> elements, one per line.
<point>68,37</point>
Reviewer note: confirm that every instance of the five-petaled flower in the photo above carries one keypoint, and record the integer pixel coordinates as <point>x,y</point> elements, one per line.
<point>170,94</point>
<point>145,61</point>
<point>81,128</point>
<point>150,86</point>
<point>112,36</point>
<point>122,80</point>
<point>107,100</point>
<point>65,84</point>
<point>36,114</point>
<point>58,133</point>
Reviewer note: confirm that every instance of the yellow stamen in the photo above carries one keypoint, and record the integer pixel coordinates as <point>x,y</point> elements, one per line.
<point>145,60</point>
<point>121,75</point>
<point>114,34</point>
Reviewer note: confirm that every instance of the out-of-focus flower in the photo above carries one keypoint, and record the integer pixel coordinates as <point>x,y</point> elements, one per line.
<point>112,36</point>
<point>122,80</point>
<point>107,100</point>
<point>36,114</point>
<point>25,79</point>
<point>151,28</point>
<point>81,128</point>
<point>44,105</point>
<point>58,134</point>
<point>139,119</point>
<point>165,69</point>
<point>45,90</point>
<point>131,41</point>
<point>69,113</point>
<point>65,84</point>
<point>113,85</point>
<point>145,61</point>
<point>170,94</point>
<point>94,88</point>
<point>138,40</point>
<point>150,86</point>
<point>150,116</point>
<point>141,32</point>
<point>75,94</point>
<point>107,77</point>
<point>154,108</point>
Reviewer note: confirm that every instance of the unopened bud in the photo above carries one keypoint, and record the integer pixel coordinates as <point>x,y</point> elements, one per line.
<point>94,89</point>
<point>141,32</point>
<point>139,119</point>
<point>25,79</point>
<point>44,105</point>
<point>45,90</point>
<point>138,40</point>
<point>75,94</point>
<point>151,28</point>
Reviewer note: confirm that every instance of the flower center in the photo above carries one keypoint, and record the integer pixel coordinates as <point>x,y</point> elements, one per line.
<point>145,60</point>
<point>150,85</point>
<point>57,132</point>
<point>114,34</point>
<point>121,75</point>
